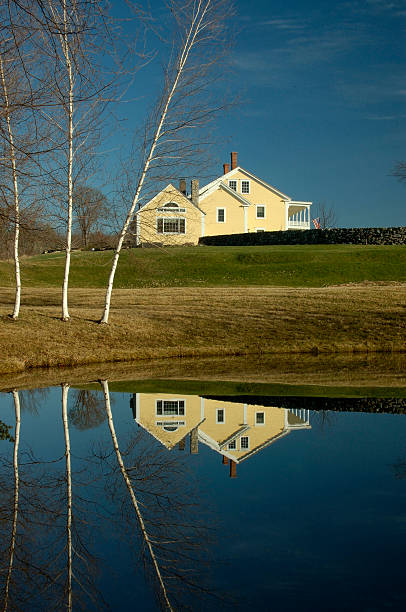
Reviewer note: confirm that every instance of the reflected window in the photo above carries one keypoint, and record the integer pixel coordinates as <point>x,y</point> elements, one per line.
<point>232,445</point>
<point>244,443</point>
<point>220,415</point>
<point>260,418</point>
<point>170,407</point>
<point>170,425</point>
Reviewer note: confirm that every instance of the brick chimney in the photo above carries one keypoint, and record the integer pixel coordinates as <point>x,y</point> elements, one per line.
<point>195,192</point>
<point>182,186</point>
<point>233,160</point>
<point>226,168</point>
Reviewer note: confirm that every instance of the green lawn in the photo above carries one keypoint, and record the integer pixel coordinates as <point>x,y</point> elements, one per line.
<point>294,266</point>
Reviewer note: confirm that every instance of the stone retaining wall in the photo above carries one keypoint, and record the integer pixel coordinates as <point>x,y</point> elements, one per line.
<point>339,404</point>
<point>355,235</point>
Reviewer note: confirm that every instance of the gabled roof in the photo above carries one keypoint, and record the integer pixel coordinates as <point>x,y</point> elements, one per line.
<point>219,184</point>
<point>171,188</point>
<point>225,177</point>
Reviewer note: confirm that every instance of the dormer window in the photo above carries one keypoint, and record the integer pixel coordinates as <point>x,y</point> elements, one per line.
<point>232,185</point>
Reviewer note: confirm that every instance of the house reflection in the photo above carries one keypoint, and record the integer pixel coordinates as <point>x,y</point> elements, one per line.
<point>236,431</point>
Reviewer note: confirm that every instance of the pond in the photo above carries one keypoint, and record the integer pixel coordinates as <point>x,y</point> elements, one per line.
<point>143,496</point>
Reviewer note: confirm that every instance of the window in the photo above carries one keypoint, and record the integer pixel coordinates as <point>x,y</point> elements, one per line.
<point>221,215</point>
<point>232,185</point>
<point>171,226</point>
<point>260,418</point>
<point>245,186</point>
<point>244,443</point>
<point>170,407</point>
<point>259,229</point>
<point>220,415</point>
<point>170,425</point>
<point>171,206</point>
<point>260,211</point>
<point>232,445</point>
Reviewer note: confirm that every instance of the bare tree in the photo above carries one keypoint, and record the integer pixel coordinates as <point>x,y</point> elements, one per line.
<point>326,215</point>
<point>91,208</point>
<point>399,171</point>
<point>199,43</point>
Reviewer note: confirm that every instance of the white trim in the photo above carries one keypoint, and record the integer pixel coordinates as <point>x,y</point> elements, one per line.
<point>170,219</point>
<point>259,412</point>
<point>217,416</point>
<point>217,214</point>
<point>137,407</point>
<point>230,174</point>
<point>137,231</point>
<point>244,448</point>
<point>245,219</point>
<point>221,185</point>
<point>256,210</point>
<point>202,228</point>
<point>243,193</point>
<point>180,399</point>
<point>245,413</point>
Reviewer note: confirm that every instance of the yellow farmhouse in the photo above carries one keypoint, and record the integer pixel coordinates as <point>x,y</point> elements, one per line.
<point>236,431</point>
<point>237,202</point>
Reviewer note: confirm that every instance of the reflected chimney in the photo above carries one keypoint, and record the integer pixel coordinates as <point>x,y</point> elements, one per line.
<point>226,168</point>
<point>233,469</point>
<point>233,160</point>
<point>225,460</point>
<point>195,192</point>
<point>182,186</point>
<point>194,441</point>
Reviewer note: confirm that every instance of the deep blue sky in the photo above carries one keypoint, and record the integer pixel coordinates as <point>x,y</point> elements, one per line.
<point>322,115</point>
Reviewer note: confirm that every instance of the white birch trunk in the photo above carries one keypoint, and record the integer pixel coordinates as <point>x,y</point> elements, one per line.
<point>194,29</point>
<point>65,390</point>
<point>70,134</point>
<point>17,300</point>
<point>16,494</point>
<point>134,501</point>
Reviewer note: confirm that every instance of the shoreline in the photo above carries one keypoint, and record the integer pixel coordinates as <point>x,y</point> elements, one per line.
<point>170,323</point>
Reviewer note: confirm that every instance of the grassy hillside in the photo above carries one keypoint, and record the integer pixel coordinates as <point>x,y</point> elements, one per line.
<point>293,266</point>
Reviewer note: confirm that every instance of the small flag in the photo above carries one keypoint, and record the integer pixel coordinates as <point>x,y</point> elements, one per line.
<point>316,223</point>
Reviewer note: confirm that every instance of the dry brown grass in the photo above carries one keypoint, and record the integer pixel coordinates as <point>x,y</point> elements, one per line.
<point>174,322</point>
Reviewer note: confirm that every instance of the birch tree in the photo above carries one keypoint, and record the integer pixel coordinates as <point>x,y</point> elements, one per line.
<point>198,44</point>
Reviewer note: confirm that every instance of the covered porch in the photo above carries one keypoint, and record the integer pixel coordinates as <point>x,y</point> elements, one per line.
<point>297,215</point>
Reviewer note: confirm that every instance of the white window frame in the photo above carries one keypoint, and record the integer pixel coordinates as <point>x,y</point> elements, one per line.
<point>170,219</point>
<point>217,214</point>
<point>244,448</point>
<point>177,414</point>
<point>249,187</point>
<point>236,184</point>
<point>256,211</point>
<point>256,422</point>
<point>217,416</point>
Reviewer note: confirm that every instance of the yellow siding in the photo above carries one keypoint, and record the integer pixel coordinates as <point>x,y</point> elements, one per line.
<point>147,416</point>
<point>148,216</point>
<point>275,211</point>
<point>234,213</point>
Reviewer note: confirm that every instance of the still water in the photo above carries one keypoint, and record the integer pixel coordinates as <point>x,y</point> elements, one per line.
<point>136,500</point>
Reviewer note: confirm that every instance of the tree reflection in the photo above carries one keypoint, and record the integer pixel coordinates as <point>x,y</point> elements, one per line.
<point>170,524</point>
<point>51,508</point>
<point>87,410</point>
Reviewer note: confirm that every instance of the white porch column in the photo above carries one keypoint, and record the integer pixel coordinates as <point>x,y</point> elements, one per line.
<point>137,230</point>
<point>245,219</point>
<point>202,228</point>
<point>286,215</point>
<point>245,414</point>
